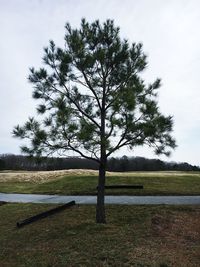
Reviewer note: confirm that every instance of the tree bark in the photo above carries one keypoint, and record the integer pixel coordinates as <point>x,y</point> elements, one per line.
<point>100,207</point>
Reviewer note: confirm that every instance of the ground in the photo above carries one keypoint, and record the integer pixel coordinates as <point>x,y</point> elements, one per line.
<point>133,236</point>
<point>157,236</point>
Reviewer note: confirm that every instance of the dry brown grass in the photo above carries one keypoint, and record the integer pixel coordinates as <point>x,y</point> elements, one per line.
<point>41,176</point>
<point>174,240</point>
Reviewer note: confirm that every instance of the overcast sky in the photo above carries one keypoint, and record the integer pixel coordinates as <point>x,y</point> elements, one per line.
<point>169,31</point>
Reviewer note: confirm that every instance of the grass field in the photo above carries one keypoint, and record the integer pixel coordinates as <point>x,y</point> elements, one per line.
<point>157,236</point>
<point>80,182</point>
<point>134,236</point>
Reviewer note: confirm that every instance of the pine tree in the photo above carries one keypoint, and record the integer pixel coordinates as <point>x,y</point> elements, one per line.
<point>94,100</point>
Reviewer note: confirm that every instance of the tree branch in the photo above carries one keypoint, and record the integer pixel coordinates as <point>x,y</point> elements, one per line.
<point>120,144</point>
<point>92,90</point>
<point>80,153</point>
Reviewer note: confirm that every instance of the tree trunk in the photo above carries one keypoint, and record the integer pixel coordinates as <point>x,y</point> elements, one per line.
<point>100,207</point>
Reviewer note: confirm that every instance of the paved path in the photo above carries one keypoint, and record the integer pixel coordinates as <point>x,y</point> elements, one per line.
<point>128,200</point>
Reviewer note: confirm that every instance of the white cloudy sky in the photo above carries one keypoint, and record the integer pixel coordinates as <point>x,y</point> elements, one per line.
<point>169,31</point>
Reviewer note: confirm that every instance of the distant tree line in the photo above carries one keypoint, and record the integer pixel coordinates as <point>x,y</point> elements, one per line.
<point>143,164</point>
<point>19,162</point>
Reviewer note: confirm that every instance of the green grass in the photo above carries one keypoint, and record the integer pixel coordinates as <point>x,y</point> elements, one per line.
<point>154,184</point>
<point>134,236</point>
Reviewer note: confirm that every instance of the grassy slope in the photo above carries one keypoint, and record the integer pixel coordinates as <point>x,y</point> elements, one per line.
<point>133,236</point>
<point>154,184</point>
